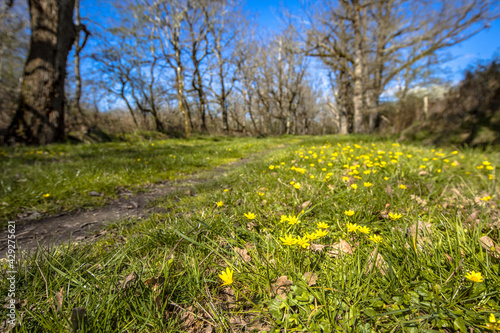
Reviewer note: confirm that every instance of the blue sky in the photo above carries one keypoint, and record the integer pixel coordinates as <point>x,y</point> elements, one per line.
<point>482,46</point>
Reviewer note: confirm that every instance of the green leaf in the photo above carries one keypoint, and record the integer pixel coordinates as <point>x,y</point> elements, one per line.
<point>459,324</point>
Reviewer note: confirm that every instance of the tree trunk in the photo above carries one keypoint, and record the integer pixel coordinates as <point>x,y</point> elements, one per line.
<point>357,99</point>
<point>39,118</point>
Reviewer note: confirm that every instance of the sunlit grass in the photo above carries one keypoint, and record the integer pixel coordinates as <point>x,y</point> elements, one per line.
<point>60,177</point>
<point>287,243</point>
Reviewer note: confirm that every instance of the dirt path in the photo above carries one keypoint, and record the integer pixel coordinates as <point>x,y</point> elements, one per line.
<point>86,226</point>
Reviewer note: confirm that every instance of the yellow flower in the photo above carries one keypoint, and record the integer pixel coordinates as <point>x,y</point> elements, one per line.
<point>227,277</point>
<point>322,225</point>
<point>375,238</point>
<point>402,186</point>
<point>296,185</point>
<point>260,193</point>
<point>220,204</point>
<point>395,216</point>
<point>46,195</point>
<point>226,190</point>
<point>354,186</point>
<point>367,184</point>
<point>349,212</point>
<point>283,218</point>
<point>250,216</point>
<point>492,318</point>
<point>311,236</point>
<point>320,233</point>
<point>486,163</point>
<point>303,242</point>
<point>474,277</point>
<point>486,198</point>
<point>345,178</point>
<point>288,240</point>
<point>292,219</point>
<point>271,167</point>
<point>352,227</point>
<point>364,229</point>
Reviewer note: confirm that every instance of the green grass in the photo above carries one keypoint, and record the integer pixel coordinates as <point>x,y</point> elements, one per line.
<point>417,283</point>
<point>59,177</point>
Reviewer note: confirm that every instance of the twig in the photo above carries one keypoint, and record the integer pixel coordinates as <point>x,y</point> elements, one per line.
<point>180,307</point>
<point>43,277</point>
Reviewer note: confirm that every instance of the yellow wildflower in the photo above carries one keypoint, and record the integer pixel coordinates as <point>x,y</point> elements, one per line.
<point>227,277</point>
<point>292,219</point>
<point>352,227</point>
<point>46,195</point>
<point>320,233</point>
<point>250,216</point>
<point>271,167</point>
<point>395,216</point>
<point>220,204</point>
<point>375,238</point>
<point>288,240</point>
<point>349,212</point>
<point>226,190</point>
<point>402,186</point>
<point>486,198</point>
<point>364,229</point>
<point>303,242</point>
<point>296,185</point>
<point>322,225</point>
<point>283,218</point>
<point>474,277</point>
<point>354,186</point>
<point>367,184</point>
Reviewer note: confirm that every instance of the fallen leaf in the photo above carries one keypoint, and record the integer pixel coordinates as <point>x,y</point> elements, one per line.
<point>317,247</point>
<point>489,245</point>
<point>380,263</point>
<point>305,204</point>
<point>388,190</point>
<point>342,247</point>
<point>422,173</point>
<point>59,299</point>
<point>282,286</point>
<point>128,279</point>
<point>243,254</point>
<point>310,278</point>
<point>238,321</point>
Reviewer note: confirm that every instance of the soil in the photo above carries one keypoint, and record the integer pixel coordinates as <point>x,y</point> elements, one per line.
<point>87,225</point>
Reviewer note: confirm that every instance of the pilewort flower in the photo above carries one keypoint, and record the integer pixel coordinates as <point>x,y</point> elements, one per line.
<point>303,242</point>
<point>367,184</point>
<point>364,229</point>
<point>322,225</point>
<point>227,277</point>
<point>349,212</point>
<point>46,195</point>
<point>352,227</point>
<point>288,240</point>
<point>486,198</point>
<point>292,219</point>
<point>395,216</point>
<point>375,238</point>
<point>296,185</point>
<point>474,277</point>
<point>492,323</point>
<point>402,186</point>
<point>250,216</point>
<point>220,204</point>
<point>283,218</point>
<point>320,233</point>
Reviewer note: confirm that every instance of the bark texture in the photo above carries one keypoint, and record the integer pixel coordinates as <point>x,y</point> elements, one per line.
<point>39,118</point>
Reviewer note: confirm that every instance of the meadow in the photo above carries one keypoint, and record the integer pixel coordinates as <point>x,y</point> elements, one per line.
<point>325,234</point>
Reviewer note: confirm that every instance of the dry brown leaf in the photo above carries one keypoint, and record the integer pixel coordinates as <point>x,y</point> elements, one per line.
<point>251,226</point>
<point>317,247</point>
<point>282,286</point>
<point>380,263</point>
<point>310,278</point>
<point>305,204</point>
<point>422,173</point>
<point>489,245</point>
<point>238,321</point>
<point>423,230</point>
<point>128,279</point>
<point>342,247</point>
<point>59,299</point>
<point>388,190</point>
<point>243,254</point>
